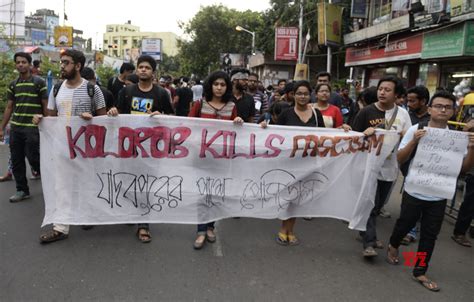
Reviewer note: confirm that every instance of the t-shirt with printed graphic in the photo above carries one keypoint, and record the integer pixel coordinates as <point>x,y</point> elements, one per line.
<point>132,100</point>
<point>372,116</point>
<point>75,101</point>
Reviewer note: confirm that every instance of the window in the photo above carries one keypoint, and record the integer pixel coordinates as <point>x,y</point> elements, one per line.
<point>125,42</point>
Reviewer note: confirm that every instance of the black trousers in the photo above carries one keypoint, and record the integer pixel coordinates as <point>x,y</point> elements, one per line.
<point>24,142</point>
<point>370,235</point>
<point>432,215</point>
<point>466,212</point>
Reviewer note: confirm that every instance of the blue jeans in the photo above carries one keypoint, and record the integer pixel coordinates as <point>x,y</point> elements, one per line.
<point>202,228</point>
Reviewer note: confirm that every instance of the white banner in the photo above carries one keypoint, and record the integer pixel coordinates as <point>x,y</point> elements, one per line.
<point>165,169</point>
<point>437,163</point>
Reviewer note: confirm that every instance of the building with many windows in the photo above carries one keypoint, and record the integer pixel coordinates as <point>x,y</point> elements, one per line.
<point>124,40</point>
<point>424,42</point>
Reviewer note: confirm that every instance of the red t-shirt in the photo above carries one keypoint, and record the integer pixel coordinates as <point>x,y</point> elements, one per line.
<point>332,117</point>
<point>227,112</point>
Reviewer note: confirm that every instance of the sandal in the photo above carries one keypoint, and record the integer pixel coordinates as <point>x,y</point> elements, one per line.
<point>461,240</point>
<point>428,284</point>
<point>210,236</point>
<point>144,235</point>
<point>198,243</point>
<point>51,236</point>
<point>393,260</point>
<point>282,239</point>
<point>293,240</point>
<point>407,240</point>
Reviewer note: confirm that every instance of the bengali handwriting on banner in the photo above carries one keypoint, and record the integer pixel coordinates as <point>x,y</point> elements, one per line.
<point>165,169</point>
<point>437,163</point>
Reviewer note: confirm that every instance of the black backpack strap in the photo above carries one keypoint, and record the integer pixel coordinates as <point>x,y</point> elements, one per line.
<point>56,88</point>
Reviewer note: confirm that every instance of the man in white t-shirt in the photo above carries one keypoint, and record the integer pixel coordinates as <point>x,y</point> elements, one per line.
<point>383,114</point>
<point>428,209</point>
<point>73,97</point>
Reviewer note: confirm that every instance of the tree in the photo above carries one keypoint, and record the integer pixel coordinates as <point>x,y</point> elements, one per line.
<point>104,73</point>
<point>212,32</point>
<point>169,65</point>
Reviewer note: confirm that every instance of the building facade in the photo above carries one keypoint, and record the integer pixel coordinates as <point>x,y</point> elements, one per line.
<point>428,43</point>
<point>123,40</point>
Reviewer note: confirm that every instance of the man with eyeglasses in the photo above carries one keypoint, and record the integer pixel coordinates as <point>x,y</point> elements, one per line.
<point>27,95</point>
<point>415,205</point>
<point>71,98</point>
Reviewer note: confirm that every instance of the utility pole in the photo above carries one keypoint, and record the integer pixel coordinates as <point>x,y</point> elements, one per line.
<point>300,34</point>
<point>329,54</point>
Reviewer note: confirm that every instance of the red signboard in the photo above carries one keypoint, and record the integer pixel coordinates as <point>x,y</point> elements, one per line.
<point>286,43</point>
<point>397,49</point>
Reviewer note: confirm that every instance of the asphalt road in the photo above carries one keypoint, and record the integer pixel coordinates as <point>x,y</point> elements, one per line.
<point>108,263</point>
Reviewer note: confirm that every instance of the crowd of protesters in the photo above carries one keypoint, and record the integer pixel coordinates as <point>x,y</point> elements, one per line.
<point>241,98</point>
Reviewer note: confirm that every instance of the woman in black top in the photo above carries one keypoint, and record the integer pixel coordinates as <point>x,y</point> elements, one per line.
<point>302,114</point>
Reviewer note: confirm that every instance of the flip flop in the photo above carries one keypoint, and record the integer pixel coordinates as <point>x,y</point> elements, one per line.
<point>293,240</point>
<point>282,239</point>
<point>428,284</point>
<point>390,259</point>
<point>52,236</point>
<point>144,237</point>
<point>461,240</point>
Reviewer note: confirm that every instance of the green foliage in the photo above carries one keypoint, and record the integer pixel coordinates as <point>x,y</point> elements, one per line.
<point>104,73</point>
<point>212,32</point>
<point>8,72</point>
<point>47,65</point>
<point>169,65</point>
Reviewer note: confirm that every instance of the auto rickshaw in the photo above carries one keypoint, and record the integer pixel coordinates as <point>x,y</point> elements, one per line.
<point>465,113</point>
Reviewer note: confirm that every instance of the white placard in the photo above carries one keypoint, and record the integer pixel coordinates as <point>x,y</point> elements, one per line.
<point>132,169</point>
<point>437,163</point>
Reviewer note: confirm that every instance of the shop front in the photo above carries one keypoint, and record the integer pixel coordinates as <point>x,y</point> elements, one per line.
<point>399,56</point>
<point>450,51</point>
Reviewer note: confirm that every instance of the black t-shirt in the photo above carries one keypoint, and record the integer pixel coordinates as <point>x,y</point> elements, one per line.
<point>185,95</point>
<point>289,118</point>
<point>115,85</point>
<point>245,107</point>
<point>132,100</point>
<point>108,97</point>
<point>416,120</point>
<point>369,116</point>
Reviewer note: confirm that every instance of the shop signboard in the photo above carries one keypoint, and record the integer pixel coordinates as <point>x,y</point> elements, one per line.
<point>359,9</point>
<point>452,41</point>
<point>63,36</point>
<point>329,24</point>
<point>286,43</point>
<point>383,28</point>
<point>399,49</point>
<point>152,47</point>
<point>469,39</point>
<point>456,7</point>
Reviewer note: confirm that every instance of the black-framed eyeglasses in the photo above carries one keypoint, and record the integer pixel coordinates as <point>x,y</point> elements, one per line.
<point>441,107</point>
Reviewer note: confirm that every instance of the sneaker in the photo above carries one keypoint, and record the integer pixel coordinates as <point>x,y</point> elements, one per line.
<point>19,196</point>
<point>384,213</point>
<point>369,252</point>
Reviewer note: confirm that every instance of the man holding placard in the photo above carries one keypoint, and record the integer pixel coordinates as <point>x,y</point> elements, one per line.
<point>435,150</point>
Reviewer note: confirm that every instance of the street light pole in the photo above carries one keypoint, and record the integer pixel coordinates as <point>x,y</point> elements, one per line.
<point>240,28</point>
<point>300,32</point>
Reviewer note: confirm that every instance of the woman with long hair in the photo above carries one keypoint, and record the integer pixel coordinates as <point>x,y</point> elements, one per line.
<point>303,115</point>
<point>216,104</point>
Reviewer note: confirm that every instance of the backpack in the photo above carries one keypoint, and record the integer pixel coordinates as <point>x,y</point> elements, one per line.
<point>406,165</point>
<point>90,89</point>
<point>90,92</point>
<point>38,82</point>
